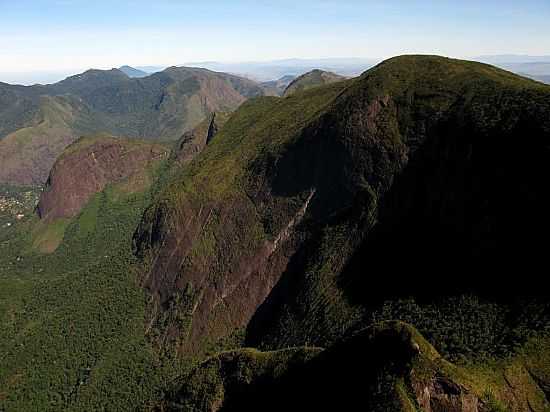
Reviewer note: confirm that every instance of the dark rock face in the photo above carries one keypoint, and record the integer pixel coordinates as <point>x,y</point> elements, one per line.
<point>421,162</point>
<point>218,304</point>
<point>441,394</point>
<point>88,167</point>
<point>194,141</point>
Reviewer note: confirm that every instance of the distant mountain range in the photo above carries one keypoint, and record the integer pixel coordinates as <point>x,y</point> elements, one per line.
<point>38,122</point>
<point>537,67</point>
<point>271,70</point>
<point>134,73</point>
<point>276,69</point>
<point>512,58</point>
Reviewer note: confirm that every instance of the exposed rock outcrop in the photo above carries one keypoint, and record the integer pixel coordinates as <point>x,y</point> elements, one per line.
<point>87,167</point>
<point>194,141</point>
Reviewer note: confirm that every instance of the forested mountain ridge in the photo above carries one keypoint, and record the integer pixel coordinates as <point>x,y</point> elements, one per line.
<point>308,179</point>
<point>38,122</point>
<point>312,79</point>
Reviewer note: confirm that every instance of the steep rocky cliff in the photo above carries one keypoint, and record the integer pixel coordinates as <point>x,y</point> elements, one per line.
<point>305,213</point>
<point>194,141</point>
<point>88,166</point>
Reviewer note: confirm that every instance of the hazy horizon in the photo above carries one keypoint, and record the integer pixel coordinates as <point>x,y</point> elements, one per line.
<point>49,77</point>
<point>63,37</point>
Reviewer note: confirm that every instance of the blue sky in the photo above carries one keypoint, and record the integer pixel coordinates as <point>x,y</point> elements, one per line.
<point>53,35</point>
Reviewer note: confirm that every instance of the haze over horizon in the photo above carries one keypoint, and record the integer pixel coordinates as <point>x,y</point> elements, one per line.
<point>41,41</point>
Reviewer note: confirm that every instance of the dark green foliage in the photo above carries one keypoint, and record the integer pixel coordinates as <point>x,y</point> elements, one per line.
<point>233,380</point>
<point>434,170</point>
<point>387,367</point>
<point>72,322</point>
<point>466,327</point>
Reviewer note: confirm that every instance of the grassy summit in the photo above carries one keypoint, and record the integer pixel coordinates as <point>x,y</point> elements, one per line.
<point>312,79</point>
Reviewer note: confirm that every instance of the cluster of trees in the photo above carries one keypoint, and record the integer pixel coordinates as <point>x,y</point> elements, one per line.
<point>72,321</point>
<point>466,327</point>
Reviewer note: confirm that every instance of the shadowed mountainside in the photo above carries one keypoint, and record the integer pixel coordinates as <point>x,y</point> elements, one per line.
<point>333,198</point>
<point>387,367</point>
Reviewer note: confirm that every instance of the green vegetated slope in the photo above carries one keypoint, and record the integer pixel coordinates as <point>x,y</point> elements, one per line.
<point>89,165</point>
<point>38,122</point>
<point>429,150</point>
<point>73,321</point>
<point>311,79</point>
<point>28,153</point>
<point>193,142</point>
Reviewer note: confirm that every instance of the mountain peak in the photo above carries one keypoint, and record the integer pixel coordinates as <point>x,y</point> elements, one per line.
<point>314,78</point>
<point>133,72</point>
